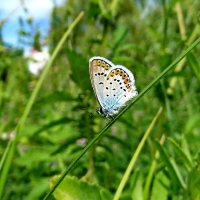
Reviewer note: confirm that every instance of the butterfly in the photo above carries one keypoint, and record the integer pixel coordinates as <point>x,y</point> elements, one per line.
<point>113,85</point>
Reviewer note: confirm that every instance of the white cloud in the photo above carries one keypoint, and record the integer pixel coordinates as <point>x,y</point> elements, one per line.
<point>39,10</point>
<point>36,8</point>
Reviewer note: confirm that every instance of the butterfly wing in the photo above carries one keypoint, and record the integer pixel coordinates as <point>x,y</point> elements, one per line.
<point>122,88</point>
<point>113,85</point>
<point>99,68</point>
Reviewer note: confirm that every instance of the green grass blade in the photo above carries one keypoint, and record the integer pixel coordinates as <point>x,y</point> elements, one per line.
<point>103,131</point>
<point>194,63</point>
<point>171,166</point>
<point>187,161</point>
<point>135,156</point>
<point>151,172</point>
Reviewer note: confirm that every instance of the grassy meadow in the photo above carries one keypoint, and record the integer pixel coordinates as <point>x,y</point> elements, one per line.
<point>53,144</point>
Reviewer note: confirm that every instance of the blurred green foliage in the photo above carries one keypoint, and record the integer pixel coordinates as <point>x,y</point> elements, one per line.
<point>145,36</point>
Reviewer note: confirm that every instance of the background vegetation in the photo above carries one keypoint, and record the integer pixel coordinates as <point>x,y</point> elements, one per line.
<point>145,36</point>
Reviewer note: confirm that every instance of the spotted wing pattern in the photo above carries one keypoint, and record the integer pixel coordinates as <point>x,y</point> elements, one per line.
<point>113,84</point>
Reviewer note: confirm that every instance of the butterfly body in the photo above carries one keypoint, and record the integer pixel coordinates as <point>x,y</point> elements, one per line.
<point>113,85</point>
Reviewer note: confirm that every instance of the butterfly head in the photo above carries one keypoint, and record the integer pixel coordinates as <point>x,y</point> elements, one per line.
<point>100,111</point>
<point>106,113</point>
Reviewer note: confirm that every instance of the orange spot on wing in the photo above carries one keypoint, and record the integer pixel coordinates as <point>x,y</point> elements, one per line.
<point>128,87</point>
<point>107,67</point>
<point>112,74</point>
<point>124,75</point>
<point>126,81</point>
<point>116,72</point>
<point>99,62</point>
<point>103,64</point>
<point>121,73</point>
<point>94,62</point>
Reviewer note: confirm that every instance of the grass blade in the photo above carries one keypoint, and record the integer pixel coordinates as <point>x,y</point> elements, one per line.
<point>151,172</point>
<point>135,156</point>
<point>171,165</point>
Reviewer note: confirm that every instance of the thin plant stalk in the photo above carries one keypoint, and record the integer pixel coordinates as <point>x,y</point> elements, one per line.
<point>113,7</point>
<point>181,22</point>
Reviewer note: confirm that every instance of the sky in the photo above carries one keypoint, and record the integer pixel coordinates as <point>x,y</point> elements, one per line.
<point>11,10</point>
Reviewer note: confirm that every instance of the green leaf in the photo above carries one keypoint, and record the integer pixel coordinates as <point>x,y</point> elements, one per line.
<point>182,154</point>
<point>71,188</point>
<point>39,187</point>
<point>54,123</point>
<point>194,183</point>
<point>194,64</point>
<point>119,35</point>
<point>138,189</point>
<point>56,96</point>
<point>171,166</point>
<point>80,69</point>
<point>32,158</point>
<point>192,123</point>
<point>130,47</point>
<point>160,187</point>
